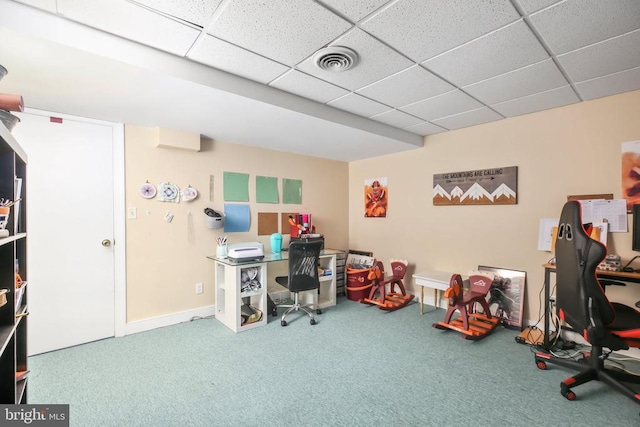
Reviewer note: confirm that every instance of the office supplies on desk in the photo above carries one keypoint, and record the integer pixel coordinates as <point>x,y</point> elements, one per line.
<point>610,263</point>
<point>246,254</point>
<point>301,225</point>
<point>276,243</point>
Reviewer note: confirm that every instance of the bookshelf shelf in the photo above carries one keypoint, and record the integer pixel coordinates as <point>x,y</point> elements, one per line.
<point>13,261</point>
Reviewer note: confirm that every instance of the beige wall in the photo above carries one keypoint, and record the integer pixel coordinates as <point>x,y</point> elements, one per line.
<point>569,150</point>
<point>166,260</point>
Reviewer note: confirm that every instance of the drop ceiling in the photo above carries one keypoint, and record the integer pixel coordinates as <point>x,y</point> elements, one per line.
<point>243,71</point>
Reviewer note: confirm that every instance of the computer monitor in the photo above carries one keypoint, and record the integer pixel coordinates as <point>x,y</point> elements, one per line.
<point>635,215</point>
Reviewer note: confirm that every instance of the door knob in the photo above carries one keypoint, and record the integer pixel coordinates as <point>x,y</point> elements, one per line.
<point>106,242</point>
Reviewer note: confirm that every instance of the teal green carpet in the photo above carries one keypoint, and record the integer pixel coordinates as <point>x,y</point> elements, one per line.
<point>359,366</point>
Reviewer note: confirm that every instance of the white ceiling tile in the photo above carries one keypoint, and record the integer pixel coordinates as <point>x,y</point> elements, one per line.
<point>422,29</point>
<point>286,31</point>
<point>484,47</point>
<point>573,24</point>
<point>540,101</point>
<point>194,11</point>
<point>359,105</point>
<point>406,87</point>
<point>501,51</point>
<point>308,86</point>
<point>225,56</point>
<point>447,104</point>
<point>425,129</point>
<point>607,57</point>
<point>516,84</point>
<point>397,118</point>
<point>531,6</point>
<point>470,118</point>
<point>375,61</point>
<point>131,22</point>
<point>355,9</point>
<point>612,84</point>
<point>48,5</point>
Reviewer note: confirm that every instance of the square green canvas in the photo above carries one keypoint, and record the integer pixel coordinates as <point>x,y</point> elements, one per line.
<point>266,189</point>
<point>236,187</point>
<point>291,191</point>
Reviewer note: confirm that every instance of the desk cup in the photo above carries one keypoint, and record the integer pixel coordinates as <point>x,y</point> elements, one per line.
<point>221,251</point>
<point>276,243</point>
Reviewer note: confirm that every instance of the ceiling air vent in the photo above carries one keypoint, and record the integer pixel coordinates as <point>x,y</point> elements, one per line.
<point>335,59</point>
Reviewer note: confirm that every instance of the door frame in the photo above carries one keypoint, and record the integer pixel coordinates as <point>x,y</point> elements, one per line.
<point>119,226</point>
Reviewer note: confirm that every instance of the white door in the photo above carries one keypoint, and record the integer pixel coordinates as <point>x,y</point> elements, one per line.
<point>70,230</point>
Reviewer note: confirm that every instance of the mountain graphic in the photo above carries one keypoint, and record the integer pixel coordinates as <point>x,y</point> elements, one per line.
<point>503,194</point>
<point>457,192</point>
<point>504,190</point>
<point>476,194</point>
<point>439,192</point>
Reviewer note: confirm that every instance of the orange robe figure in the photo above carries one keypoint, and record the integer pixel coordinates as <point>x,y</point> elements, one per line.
<point>375,200</point>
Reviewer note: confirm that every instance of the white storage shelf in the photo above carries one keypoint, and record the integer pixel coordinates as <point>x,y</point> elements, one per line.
<point>327,295</point>
<point>229,297</point>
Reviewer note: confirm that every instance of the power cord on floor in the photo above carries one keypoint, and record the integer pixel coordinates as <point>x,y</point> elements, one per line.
<point>202,317</point>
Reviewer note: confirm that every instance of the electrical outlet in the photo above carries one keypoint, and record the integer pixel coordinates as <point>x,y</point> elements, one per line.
<point>199,288</point>
<point>132,213</point>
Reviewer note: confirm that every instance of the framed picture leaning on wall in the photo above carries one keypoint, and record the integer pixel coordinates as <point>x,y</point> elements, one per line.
<point>506,296</point>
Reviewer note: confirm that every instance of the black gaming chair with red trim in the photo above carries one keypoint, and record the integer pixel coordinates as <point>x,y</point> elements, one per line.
<point>583,305</point>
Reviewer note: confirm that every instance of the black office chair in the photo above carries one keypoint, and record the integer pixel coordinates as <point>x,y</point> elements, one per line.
<point>583,305</point>
<point>303,276</point>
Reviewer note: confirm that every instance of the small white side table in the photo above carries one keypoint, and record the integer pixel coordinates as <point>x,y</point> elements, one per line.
<point>438,280</point>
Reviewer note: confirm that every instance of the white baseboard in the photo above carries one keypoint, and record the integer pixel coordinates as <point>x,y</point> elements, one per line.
<point>167,320</point>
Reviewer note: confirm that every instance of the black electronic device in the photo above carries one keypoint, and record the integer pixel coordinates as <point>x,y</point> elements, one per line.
<point>635,239</point>
<point>635,218</point>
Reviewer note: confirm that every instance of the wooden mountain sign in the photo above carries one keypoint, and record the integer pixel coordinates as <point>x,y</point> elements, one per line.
<point>478,187</point>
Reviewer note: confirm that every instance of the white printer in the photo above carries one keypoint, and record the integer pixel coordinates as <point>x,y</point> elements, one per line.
<point>245,252</point>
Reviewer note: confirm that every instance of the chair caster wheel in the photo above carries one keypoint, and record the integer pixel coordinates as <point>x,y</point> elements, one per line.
<point>283,322</point>
<point>541,365</point>
<point>313,321</point>
<point>318,311</point>
<point>569,395</point>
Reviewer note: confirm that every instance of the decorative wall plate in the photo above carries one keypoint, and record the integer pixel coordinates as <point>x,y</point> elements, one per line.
<point>169,192</point>
<point>148,191</point>
<point>189,193</point>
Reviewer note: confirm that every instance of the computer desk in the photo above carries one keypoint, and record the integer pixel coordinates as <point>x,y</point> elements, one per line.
<point>230,295</point>
<point>621,276</point>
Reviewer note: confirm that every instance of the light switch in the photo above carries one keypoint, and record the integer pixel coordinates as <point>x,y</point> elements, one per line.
<point>132,213</point>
